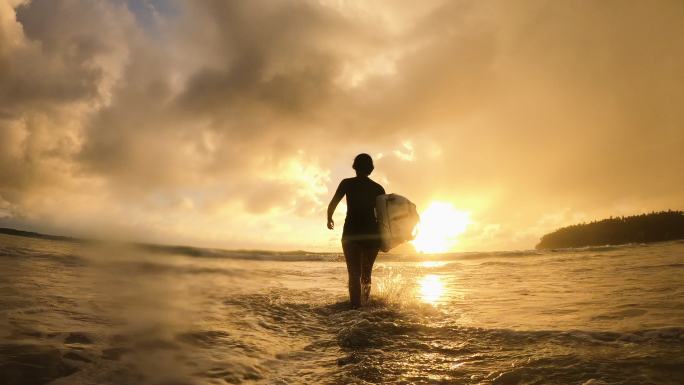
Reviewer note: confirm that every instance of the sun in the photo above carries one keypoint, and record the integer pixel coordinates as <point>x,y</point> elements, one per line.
<point>440,225</point>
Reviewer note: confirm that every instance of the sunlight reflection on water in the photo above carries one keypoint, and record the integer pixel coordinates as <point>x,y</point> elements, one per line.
<point>431,288</point>
<point>432,263</point>
<point>148,318</point>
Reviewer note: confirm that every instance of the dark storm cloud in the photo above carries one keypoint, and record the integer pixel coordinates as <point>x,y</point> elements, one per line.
<point>242,116</point>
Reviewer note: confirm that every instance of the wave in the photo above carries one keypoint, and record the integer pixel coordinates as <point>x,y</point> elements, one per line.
<point>376,341</point>
<point>386,318</point>
<point>293,336</point>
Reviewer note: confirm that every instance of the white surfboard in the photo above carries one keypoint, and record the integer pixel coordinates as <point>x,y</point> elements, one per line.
<point>397,219</point>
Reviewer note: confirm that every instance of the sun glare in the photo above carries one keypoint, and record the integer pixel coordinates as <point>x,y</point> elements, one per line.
<point>431,288</point>
<point>440,225</point>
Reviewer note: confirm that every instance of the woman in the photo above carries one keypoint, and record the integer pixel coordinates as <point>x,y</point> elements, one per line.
<point>360,236</point>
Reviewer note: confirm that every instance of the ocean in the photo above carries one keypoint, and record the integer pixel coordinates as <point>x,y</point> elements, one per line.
<point>86,314</point>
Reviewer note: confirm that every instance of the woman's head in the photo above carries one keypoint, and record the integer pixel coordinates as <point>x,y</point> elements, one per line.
<point>363,164</point>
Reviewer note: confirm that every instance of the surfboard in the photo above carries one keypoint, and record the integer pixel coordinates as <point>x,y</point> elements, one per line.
<point>397,219</point>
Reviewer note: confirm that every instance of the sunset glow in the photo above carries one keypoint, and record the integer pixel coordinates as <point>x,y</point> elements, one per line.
<point>348,191</point>
<point>439,228</point>
<point>231,124</point>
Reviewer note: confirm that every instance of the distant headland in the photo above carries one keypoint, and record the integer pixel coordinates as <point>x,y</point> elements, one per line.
<point>654,227</point>
<point>31,234</point>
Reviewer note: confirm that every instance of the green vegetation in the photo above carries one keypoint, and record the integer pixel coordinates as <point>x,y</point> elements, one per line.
<point>653,227</point>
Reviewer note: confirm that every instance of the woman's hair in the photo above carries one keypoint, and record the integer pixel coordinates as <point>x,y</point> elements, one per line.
<point>363,164</point>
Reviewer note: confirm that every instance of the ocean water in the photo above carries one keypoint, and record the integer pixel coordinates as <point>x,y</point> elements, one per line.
<point>111,314</point>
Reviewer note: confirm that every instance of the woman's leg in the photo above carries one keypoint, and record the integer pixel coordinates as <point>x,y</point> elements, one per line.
<point>369,255</point>
<point>353,254</point>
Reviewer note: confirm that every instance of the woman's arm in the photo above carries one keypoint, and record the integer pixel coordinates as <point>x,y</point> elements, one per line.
<point>334,202</point>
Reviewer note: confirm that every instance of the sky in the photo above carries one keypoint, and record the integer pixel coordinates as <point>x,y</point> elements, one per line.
<point>230,123</point>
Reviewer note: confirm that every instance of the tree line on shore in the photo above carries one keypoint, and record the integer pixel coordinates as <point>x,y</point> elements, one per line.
<point>653,227</point>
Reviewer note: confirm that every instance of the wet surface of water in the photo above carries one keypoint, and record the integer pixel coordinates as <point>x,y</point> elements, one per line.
<point>74,314</point>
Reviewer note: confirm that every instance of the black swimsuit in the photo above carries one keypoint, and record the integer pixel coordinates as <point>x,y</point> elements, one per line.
<point>360,224</point>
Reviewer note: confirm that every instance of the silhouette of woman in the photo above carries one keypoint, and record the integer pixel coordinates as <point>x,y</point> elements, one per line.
<point>360,235</point>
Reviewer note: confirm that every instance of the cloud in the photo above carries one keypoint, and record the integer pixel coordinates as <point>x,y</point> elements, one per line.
<point>53,72</point>
<point>230,123</point>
